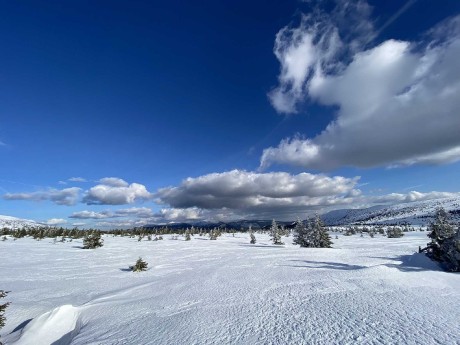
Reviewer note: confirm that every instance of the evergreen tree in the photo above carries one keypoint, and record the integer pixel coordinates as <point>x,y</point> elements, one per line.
<point>441,229</point>
<point>450,250</point>
<point>394,232</point>
<point>445,241</point>
<point>2,310</point>
<point>139,266</point>
<point>275,233</point>
<point>253,238</point>
<point>93,241</point>
<point>301,234</point>
<point>187,235</point>
<point>213,234</point>
<point>313,235</point>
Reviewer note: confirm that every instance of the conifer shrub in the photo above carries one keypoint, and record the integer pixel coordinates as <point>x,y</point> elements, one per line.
<point>93,241</point>
<point>312,234</point>
<point>445,242</point>
<point>2,310</point>
<point>139,266</point>
<point>394,232</point>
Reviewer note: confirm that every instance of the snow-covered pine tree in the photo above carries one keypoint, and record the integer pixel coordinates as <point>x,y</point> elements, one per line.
<point>139,266</point>
<point>445,241</point>
<point>213,234</point>
<point>322,238</point>
<point>187,235</point>
<point>315,234</point>
<point>2,310</point>
<point>253,238</point>
<point>450,250</point>
<point>440,230</point>
<point>301,233</point>
<point>394,232</point>
<point>275,234</point>
<point>93,241</point>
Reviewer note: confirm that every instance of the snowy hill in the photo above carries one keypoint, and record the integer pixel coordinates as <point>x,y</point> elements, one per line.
<point>16,223</point>
<point>415,213</point>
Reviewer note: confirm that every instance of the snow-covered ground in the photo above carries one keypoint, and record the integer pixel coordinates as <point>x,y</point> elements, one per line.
<point>362,291</point>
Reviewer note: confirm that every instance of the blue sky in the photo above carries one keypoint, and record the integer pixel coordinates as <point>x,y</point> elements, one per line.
<point>117,113</point>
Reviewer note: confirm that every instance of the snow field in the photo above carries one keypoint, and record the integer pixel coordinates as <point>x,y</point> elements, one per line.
<point>362,291</point>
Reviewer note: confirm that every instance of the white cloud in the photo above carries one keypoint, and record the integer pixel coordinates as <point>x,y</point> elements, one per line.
<point>138,212</point>
<point>66,196</point>
<point>77,179</point>
<point>56,221</point>
<point>181,215</point>
<point>249,194</point>
<point>115,191</point>
<point>398,101</point>
<point>91,215</point>
<point>315,47</point>
<point>113,182</point>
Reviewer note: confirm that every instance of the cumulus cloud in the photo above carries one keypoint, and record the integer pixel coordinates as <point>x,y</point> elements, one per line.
<point>56,221</point>
<point>256,193</point>
<point>397,101</point>
<point>91,215</point>
<point>394,198</point>
<point>138,212</point>
<point>115,191</point>
<point>66,196</point>
<point>181,215</point>
<point>77,179</point>
<point>113,182</point>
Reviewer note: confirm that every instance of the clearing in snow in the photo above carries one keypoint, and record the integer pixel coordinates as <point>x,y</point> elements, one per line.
<point>362,291</point>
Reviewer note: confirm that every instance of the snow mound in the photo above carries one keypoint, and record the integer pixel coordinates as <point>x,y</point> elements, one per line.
<point>56,327</point>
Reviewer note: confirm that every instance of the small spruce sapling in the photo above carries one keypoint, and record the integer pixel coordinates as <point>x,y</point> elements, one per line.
<point>139,266</point>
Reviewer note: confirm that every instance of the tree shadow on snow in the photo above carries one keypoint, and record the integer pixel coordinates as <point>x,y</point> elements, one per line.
<point>328,265</point>
<point>261,245</point>
<point>21,326</point>
<point>413,263</point>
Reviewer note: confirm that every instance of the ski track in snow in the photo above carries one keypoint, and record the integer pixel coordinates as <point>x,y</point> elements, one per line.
<point>362,291</point>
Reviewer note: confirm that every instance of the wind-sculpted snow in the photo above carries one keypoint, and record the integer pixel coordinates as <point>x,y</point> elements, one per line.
<point>362,291</point>
<point>54,327</point>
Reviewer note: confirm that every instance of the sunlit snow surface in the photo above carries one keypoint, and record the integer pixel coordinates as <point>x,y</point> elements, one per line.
<point>362,291</point>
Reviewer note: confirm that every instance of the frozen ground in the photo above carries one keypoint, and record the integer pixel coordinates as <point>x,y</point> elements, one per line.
<point>363,291</point>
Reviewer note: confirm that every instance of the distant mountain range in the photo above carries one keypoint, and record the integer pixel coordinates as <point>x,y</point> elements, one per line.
<point>415,213</point>
<point>17,223</point>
